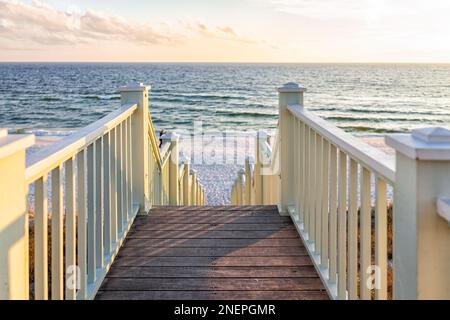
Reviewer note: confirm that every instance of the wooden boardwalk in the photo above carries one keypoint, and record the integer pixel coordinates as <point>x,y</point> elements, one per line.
<point>207,253</point>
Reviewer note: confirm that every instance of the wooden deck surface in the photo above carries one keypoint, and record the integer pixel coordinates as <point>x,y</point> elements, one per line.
<point>208,253</point>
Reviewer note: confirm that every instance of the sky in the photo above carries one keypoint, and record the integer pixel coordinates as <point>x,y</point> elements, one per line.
<point>225,30</point>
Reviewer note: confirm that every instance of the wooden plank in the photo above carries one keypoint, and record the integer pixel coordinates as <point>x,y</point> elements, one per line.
<point>365,233</point>
<point>107,193</point>
<point>212,295</point>
<point>319,195</point>
<point>212,272</point>
<point>250,251</point>
<point>381,238</point>
<point>213,226</point>
<point>82,224</point>
<point>212,261</point>
<point>57,238</point>
<point>214,234</point>
<point>113,186</point>
<point>198,214</point>
<point>41,239</point>
<point>259,208</point>
<point>214,242</point>
<point>206,284</point>
<point>352,265</point>
<point>213,219</point>
<point>71,231</point>
<point>342,227</point>
<point>325,206</point>
<point>99,195</point>
<point>333,214</point>
<point>91,216</point>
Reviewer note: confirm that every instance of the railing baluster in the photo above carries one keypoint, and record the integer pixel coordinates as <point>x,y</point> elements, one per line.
<point>113,187</point>
<point>125,173</point>
<point>107,193</point>
<point>302,172</point>
<point>312,185</point>
<point>325,195</point>
<point>342,227</point>
<point>381,238</point>
<point>99,203</point>
<point>129,168</point>
<point>57,236</point>
<point>71,270</point>
<point>82,225</point>
<point>91,204</point>
<point>306,205</point>
<point>353,231</point>
<point>119,178</point>
<point>333,214</point>
<point>41,240</point>
<point>365,234</point>
<point>318,198</point>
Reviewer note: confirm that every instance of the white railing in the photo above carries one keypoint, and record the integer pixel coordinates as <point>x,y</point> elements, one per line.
<point>88,188</point>
<point>338,191</point>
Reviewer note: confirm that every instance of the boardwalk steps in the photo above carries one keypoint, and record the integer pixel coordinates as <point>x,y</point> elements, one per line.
<point>247,252</point>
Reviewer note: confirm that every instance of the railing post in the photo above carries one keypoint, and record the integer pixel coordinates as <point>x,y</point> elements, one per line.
<point>13,217</point>
<point>139,94</point>
<point>421,236</point>
<point>193,187</point>
<point>259,166</point>
<point>289,94</point>
<point>186,190</point>
<point>173,138</point>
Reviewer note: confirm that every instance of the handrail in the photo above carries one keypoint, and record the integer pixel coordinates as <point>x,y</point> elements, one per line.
<point>154,142</point>
<point>377,160</point>
<point>52,156</point>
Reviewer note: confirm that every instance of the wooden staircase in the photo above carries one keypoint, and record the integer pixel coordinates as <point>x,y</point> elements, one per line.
<point>228,252</point>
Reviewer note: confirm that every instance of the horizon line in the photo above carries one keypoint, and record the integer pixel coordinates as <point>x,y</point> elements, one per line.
<point>230,62</point>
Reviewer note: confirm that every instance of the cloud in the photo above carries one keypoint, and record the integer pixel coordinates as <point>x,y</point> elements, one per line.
<point>220,32</point>
<point>355,9</point>
<point>42,24</point>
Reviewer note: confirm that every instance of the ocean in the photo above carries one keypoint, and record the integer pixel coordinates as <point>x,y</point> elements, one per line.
<point>365,99</point>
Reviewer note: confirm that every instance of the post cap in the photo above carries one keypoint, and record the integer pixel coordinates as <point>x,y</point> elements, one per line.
<point>436,134</point>
<point>241,171</point>
<point>10,144</point>
<point>134,86</point>
<point>170,136</point>
<point>443,208</point>
<point>193,171</point>
<point>422,144</point>
<point>3,132</point>
<point>291,87</point>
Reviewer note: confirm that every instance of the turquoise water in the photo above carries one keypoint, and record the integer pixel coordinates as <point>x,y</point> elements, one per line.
<point>360,98</point>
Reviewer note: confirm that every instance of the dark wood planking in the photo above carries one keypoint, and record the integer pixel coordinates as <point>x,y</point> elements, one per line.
<point>250,251</point>
<point>238,243</point>
<point>212,272</point>
<point>212,261</point>
<point>213,234</point>
<point>214,208</point>
<point>218,284</point>
<point>224,252</point>
<point>214,226</point>
<point>211,295</point>
<point>208,219</point>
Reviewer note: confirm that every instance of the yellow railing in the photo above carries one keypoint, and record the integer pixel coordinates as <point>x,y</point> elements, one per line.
<point>338,190</point>
<point>88,189</point>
